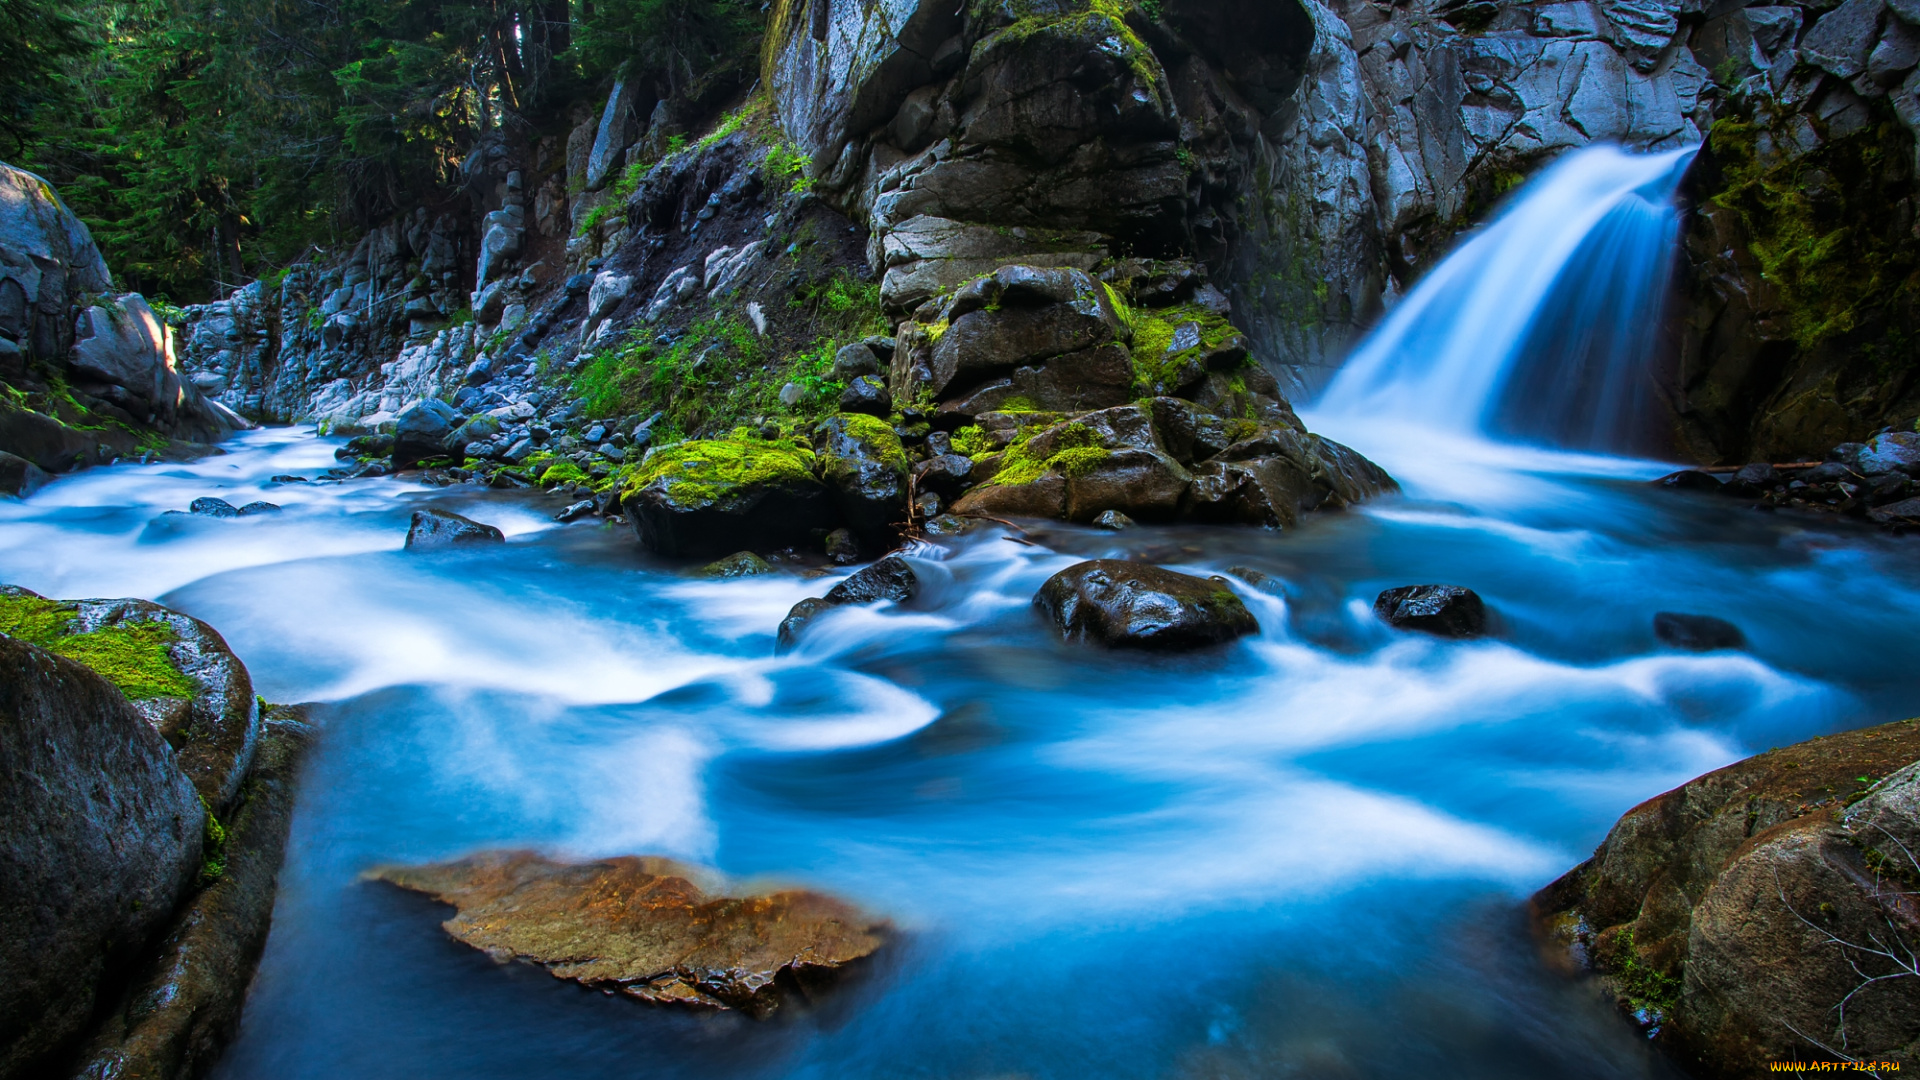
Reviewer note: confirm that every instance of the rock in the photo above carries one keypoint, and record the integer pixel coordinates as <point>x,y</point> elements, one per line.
<point>791,393</point>
<point>946,475</point>
<point>1113,520</point>
<point>853,361</point>
<point>705,498</point>
<point>1442,610</point>
<point>1035,318</point>
<point>1899,516</point>
<point>362,446</point>
<point>254,509</point>
<point>184,1005</point>
<point>575,511</point>
<point>209,506</point>
<point>424,430</point>
<point>866,394</point>
<point>842,548</point>
<point>100,836</point>
<point>20,477</point>
<point>440,528</point>
<point>737,565</point>
<point>1120,603</point>
<point>1697,633</point>
<point>1689,480</point>
<point>890,578</point>
<point>1896,451</point>
<point>287,478</point>
<point>1731,912</point>
<point>642,927</point>
<point>1752,479</point>
<point>865,465</point>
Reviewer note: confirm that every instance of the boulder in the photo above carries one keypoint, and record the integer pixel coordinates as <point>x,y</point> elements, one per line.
<point>1120,603</point>
<point>176,670</point>
<point>946,475</point>
<point>101,834</point>
<point>737,565</point>
<point>424,430</point>
<point>442,528</point>
<point>891,578</point>
<point>1441,610</point>
<point>863,462</point>
<point>1696,633</point>
<point>1689,480</point>
<point>1894,451</point>
<point>1733,915</point>
<point>50,259</point>
<point>710,497</point>
<point>1902,516</point>
<point>648,928</point>
<point>866,394</point>
<point>20,477</point>
<point>208,506</point>
<point>1058,325</point>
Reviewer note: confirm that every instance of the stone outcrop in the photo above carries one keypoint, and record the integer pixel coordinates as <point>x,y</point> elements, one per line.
<point>1733,915</point>
<point>133,916</point>
<point>648,928</point>
<point>95,370</point>
<point>431,529</point>
<point>1441,610</point>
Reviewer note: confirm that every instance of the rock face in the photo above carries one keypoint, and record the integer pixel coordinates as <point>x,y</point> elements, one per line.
<point>1135,605</point>
<point>1441,610</point>
<point>442,528</point>
<point>891,578</point>
<point>1735,913</point>
<point>643,928</point>
<point>100,835</point>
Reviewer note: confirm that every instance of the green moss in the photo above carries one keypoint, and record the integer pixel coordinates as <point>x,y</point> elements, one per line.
<point>1017,405</point>
<point>972,441</point>
<point>1158,371</point>
<point>565,472</point>
<point>1076,452</point>
<point>1815,221</point>
<point>213,849</point>
<point>878,437</point>
<point>1104,20</point>
<point>34,620</point>
<point>1650,992</point>
<point>706,470</point>
<point>132,656</point>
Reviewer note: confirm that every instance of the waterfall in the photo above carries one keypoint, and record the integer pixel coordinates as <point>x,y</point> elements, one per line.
<point>1541,327</point>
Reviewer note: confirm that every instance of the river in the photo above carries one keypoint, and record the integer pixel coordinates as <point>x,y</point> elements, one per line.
<point>1303,855</point>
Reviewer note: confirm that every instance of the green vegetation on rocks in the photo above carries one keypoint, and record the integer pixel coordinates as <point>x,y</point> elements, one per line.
<point>704,471</point>
<point>133,656</point>
<point>878,437</point>
<point>1158,368</point>
<point>1076,452</point>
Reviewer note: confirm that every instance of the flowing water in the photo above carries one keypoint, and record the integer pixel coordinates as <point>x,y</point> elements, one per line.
<point>1304,855</point>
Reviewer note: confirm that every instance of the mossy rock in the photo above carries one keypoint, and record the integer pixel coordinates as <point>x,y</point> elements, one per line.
<point>864,463</point>
<point>177,671</point>
<point>1174,348</point>
<point>708,497</point>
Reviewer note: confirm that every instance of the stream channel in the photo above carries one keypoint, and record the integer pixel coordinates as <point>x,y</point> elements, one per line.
<point>1304,855</point>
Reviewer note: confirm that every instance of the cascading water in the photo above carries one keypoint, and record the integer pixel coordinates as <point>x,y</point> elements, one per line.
<point>1540,327</point>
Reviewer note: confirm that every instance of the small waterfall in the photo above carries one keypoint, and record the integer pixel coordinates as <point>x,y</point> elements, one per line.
<point>1541,327</point>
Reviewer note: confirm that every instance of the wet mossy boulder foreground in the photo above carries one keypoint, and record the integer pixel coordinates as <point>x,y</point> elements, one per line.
<point>648,928</point>
<point>1762,912</point>
<point>709,497</point>
<point>144,804</point>
<point>1135,605</point>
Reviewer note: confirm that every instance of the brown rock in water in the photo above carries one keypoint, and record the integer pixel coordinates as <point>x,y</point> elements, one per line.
<point>642,927</point>
<point>1733,914</point>
<point>1137,605</point>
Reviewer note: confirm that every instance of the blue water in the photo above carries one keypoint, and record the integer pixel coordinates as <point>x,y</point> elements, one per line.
<point>1303,855</point>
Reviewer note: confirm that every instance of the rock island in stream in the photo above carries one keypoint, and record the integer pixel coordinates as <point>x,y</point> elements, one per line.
<point>640,926</point>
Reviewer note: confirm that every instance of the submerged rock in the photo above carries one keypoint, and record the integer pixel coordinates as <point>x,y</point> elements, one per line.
<point>642,927</point>
<point>1734,914</point>
<point>737,565</point>
<point>441,528</point>
<point>1696,633</point>
<point>100,836</point>
<point>1442,610</point>
<point>1122,603</point>
<point>890,578</point>
<point>208,506</point>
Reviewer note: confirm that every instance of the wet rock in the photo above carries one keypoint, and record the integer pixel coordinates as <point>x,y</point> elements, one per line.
<point>890,578</point>
<point>1752,479</point>
<point>644,928</point>
<point>1689,480</point>
<point>100,836</point>
<point>841,548</point>
<point>946,475</point>
<point>1894,451</point>
<point>1120,603</point>
<point>1443,610</point>
<point>863,461</point>
<point>1696,633</point>
<point>1742,906</point>
<point>1902,516</point>
<point>424,430</point>
<point>854,361</point>
<point>1113,520</point>
<point>740,564</point>
<point>868,395</point>
<point>287,478</point>
<point>20,477</point>
<point>208,506</point>
<point>366,446</point>
<point>254,509</point>
<point>441,528</point>
<point>184,1003</point>
<point>706,498</point>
